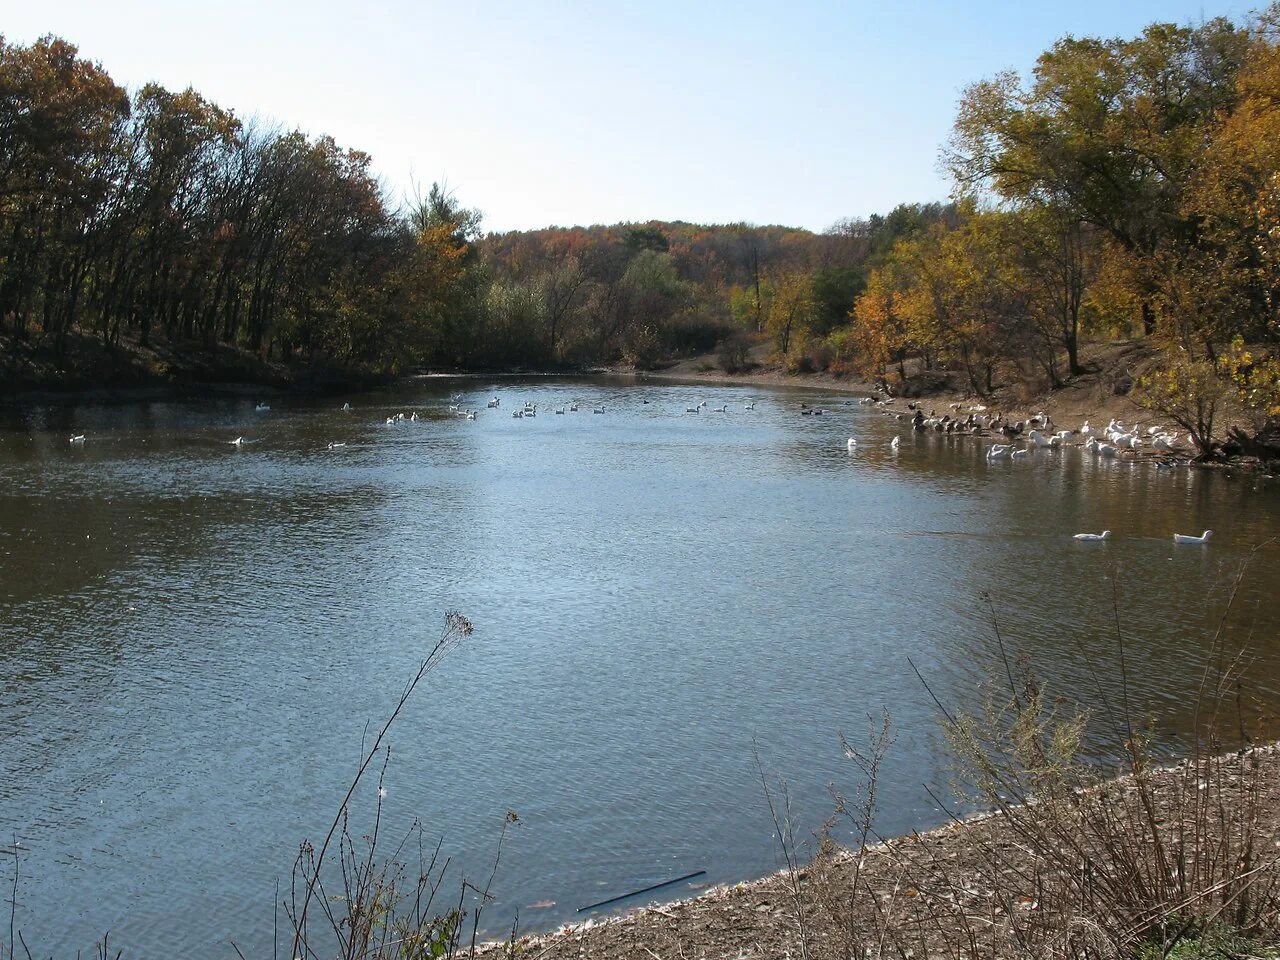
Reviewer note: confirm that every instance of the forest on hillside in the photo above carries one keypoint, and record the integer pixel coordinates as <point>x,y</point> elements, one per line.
<point>1126,187</point>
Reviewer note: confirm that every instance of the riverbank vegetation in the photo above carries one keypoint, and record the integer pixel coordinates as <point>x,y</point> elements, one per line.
<point>1127,188</point>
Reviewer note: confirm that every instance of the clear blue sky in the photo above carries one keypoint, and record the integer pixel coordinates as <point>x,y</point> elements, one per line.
<point>556,111</point>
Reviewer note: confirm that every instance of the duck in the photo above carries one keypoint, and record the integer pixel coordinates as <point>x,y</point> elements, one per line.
<point>1107,450</point>
<point>78,438</point>
<point>238,442</point>
<point>346,408</point>
<point>852,444</point>
<point>692,409</point>
<point>518,414</point>
<point>573,408</point>
<point>749,406</point>
<point>471,414</point>
<point>895,443</point>
<point>723,408</point>
<point>1090,537</point>
<point>998,450</point>
<point>336,445</point>
<point>1021,454</point>
<point>559,410</point>
<point>493,403</point>
<point>262,407</point>
<point>597,409</point>
<point>1187,538</point>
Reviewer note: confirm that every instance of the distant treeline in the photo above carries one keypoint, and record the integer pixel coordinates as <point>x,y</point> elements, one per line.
<point>160,216</point>
<point>1126,187</point>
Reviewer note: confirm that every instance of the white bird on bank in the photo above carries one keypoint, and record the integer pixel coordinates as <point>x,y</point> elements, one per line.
<point>1090,537</point>
<point>1186,538</point>
<point>78,438</point>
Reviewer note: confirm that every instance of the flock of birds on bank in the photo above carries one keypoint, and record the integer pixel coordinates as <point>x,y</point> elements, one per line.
<point>1113,442</point>
<point>1037,433</point>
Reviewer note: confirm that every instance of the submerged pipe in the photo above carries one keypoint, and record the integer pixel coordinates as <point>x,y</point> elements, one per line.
<point>635,893</point>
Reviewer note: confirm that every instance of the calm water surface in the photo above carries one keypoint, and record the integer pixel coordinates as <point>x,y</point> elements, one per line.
<point>194,638</point>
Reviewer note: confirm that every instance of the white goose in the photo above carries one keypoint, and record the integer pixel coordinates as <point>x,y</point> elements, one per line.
<point>262,408</point>
<point>1186,538</point>
<point>1021,454</point>
<point>335,446</point>
<point>346,408</point>
<point>238,442</point>
<point>852,445</point>
<point>895,443</point>
<point>998,450</point>
<point>78,438</point>
<point>493,403</point>
<point>1091,537</point>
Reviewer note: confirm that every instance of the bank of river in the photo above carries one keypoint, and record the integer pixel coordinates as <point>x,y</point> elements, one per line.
<point>924,882</point>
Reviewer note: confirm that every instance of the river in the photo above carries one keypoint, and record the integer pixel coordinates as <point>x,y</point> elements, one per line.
<point>196,636</point>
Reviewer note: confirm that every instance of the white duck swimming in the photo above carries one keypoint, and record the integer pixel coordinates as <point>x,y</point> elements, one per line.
<point>1090,537</point>
<point>1187,538</point>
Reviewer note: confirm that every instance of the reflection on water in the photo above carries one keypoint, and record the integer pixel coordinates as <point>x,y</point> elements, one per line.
<point>193,637</point>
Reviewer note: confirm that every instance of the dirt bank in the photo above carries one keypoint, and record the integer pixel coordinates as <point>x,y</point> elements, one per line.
<point>771,917</point>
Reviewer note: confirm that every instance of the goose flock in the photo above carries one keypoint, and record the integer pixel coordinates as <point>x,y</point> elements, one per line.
<point>1017,441</point>
<point>1020,440</point>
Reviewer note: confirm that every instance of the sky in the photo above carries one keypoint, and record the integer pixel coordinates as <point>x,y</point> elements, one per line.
<point>562,112</point>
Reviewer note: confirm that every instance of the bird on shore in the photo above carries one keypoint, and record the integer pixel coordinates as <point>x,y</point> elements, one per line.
<point>1091,537</point>
<point>1187,538</point>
